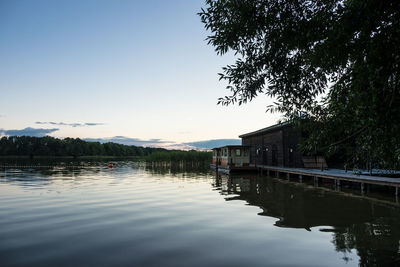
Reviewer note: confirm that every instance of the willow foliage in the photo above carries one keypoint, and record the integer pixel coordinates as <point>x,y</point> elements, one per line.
<point>332,66</point>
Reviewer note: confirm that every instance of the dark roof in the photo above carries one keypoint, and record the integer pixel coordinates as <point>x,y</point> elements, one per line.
<point>230,146</point>
<point>267,129</point>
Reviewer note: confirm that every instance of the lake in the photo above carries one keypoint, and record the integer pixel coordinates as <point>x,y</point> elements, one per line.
<point>133,215</point>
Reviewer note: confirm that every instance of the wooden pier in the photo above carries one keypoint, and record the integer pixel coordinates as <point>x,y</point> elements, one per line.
<point>337,177</point>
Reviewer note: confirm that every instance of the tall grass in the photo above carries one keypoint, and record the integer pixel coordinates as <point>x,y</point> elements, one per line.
<point>178,156</point>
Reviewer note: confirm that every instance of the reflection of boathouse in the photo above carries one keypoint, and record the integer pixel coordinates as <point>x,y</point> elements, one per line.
<point>276,145</point>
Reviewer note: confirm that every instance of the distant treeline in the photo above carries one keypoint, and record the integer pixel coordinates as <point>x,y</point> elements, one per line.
<point>74,147</point>
<point>53,147</point>
<point>175,156</point>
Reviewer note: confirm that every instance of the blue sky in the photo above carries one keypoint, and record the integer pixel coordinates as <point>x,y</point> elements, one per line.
<point>100,69</point>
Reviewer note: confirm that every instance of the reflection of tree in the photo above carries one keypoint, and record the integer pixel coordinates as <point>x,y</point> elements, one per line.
<point>375,242</point>
<point>64,170</point>
<point>177,168</point>
<point>370,227</point>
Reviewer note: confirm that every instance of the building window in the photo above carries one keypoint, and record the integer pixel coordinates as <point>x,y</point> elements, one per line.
<point>238,152</point>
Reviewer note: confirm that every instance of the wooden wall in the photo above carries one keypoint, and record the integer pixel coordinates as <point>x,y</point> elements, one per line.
<point>291,138</point>
<point>274,148</point>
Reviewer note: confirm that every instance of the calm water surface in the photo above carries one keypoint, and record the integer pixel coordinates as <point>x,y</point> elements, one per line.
<point>133,216</point>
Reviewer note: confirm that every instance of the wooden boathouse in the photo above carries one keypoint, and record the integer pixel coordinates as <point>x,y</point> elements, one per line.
<point>276,149</point>
<point>276,145</point>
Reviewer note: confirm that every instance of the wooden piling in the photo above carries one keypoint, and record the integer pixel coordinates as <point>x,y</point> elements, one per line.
<point>315,181</point>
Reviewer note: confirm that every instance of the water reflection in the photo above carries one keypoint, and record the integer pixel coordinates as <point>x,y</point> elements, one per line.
<point>372,227</point>
<point>136,214</point>
<point>178,168</point>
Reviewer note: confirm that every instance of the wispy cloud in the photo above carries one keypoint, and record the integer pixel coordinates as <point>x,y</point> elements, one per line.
<point>179,146</point>
<point>69,124</point>
<point>36,132</point>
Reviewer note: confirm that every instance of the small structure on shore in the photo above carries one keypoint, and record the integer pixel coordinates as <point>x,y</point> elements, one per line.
<point>231,158</point>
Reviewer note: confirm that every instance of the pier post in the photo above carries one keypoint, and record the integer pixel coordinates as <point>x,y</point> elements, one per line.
<point>362,188</point>
<point>300,178</point>
<point>276,174</point>
<point>288,176</point>
<point>315,181</point>
<point>337,184</point>
<point>267,172</point>
<point>397,191</point>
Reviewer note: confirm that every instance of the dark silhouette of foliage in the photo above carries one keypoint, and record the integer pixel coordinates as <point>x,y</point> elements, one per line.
<point>75,147</point>
<point>333,67</point>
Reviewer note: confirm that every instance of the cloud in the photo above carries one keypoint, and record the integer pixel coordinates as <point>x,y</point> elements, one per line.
<point>179,146</point>
<point>36,132</point>
<point>208,144</point>
<point>70,124</point>
<point>131,141</point>
<point>93,123</point>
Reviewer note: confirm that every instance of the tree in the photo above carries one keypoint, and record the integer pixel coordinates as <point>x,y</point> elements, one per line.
<point>332,66</point>
<point>50,146</point>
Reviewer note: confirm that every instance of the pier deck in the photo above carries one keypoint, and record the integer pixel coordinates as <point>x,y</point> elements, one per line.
<point>328,174</point>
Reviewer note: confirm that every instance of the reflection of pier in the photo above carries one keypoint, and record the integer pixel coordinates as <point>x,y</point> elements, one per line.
<point>333,175</point>
<point>301,206</point>
<point>371,226</point>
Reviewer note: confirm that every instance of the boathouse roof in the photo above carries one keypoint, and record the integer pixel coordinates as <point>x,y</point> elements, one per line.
<point>230,146</point>
<point>267,129</point>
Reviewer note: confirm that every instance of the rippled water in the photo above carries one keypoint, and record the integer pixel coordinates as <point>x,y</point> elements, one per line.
<point>133,216</point>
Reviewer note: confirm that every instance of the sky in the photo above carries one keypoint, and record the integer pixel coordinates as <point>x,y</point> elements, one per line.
<point>96,69</point>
